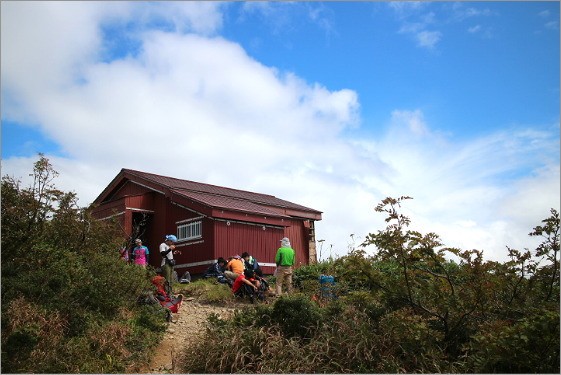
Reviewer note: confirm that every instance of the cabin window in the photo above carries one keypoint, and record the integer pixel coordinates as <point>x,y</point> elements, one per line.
<point>189,231</point>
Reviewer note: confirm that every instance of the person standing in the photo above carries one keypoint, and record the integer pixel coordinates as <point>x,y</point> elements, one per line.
<point>285,261</point>
<point>167,249</point>
<point>140,253</point>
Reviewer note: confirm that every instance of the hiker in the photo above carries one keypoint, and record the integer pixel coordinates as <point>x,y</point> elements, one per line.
<point>217,270</point>
<point>284,259</point>
<point>167,249</point>
<point>140,254</point>
<point>251,263</point>
<point>234,268</point>
<point>247,285</point>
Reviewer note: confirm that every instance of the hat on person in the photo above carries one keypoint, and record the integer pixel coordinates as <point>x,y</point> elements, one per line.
<point>285,242</point>
<point>237,257</point>
<point>171,237</point>
<point>138,240</point>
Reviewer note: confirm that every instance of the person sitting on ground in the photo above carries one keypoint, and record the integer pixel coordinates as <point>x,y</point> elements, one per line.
<point>234,268</point>
<point>217,270</point>
<point>251,263</point>
<point>247,285</point>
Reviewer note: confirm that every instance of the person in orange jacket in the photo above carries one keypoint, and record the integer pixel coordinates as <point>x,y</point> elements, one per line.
<point>234,268</point>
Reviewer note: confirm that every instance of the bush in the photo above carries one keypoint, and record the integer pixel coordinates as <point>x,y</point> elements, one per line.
<point>406,309</point>
<point>296,315</point>
<point>68,302</point>
<point>530,345</point>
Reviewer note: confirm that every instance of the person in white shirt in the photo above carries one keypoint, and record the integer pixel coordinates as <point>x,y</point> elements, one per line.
<point>167,249</point>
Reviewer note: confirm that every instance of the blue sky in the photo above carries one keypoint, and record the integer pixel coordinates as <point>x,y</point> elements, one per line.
<point>333,105</point>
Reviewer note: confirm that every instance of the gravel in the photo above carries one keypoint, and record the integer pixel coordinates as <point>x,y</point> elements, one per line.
<point>187,326</point>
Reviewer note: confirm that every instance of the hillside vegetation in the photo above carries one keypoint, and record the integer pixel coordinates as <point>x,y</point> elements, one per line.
<point>69,305</point>
<point>68,302</point>
<point>407,309</point>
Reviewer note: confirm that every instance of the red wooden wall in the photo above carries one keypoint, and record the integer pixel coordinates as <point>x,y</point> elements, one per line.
<point>238,237</point>
<point>220,238</point>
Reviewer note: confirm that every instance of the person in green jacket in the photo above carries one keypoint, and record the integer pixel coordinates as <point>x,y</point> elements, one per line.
<point>284,259</point>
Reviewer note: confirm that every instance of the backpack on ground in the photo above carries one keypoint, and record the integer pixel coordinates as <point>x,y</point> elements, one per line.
<point>166,300</point>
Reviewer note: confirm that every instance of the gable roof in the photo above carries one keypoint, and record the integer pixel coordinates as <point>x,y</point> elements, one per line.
<point>211,196</point>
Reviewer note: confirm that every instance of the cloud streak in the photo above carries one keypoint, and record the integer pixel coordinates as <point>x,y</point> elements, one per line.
<point>418,21</point>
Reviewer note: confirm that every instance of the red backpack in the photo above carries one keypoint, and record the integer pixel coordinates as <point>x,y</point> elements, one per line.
<point>169,302</point>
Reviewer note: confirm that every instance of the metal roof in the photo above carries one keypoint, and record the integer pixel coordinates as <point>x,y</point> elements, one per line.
<point>223,197</point>
<point>229,203</point>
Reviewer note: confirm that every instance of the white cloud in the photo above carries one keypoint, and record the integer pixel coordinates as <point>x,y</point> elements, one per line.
<point>44,45</point>
<point>428,38</point>
<point>202,17</point>
<point>461,12</point>
<point>413,120</point>
<point>199,107</point>
<point>473,12</point>
<point>465,192</point>
<point>418,28</point>
<point>474,29</point>
<point>552,25</point>
<point>416,20</point>
<point>407,8</point>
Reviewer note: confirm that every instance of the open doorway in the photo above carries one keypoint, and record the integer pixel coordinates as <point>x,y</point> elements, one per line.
<point>140,225</point>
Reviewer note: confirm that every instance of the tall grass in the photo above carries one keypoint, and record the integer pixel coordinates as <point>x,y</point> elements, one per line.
<point>367,325</point>
<point>295,335</point>
<point>206,291</point>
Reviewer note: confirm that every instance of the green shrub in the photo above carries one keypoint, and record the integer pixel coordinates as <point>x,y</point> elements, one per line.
<point>296,315</point>
<point>305,278</point>
<point>68,302</point>
<point>530,345</point>
<point>366,302</point>
<point>406,309</point>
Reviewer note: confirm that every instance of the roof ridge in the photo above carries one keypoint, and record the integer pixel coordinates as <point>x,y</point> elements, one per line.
<point>219,191</point>
<point>196,182</point>
<point>233,196</point>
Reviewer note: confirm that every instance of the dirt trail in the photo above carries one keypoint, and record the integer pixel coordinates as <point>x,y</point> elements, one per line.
<point>188,327</point>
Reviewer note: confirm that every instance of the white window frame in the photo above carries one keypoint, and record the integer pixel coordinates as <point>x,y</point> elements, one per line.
<point>190,231</point>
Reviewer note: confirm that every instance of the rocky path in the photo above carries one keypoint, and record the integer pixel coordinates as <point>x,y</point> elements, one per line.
<point>188,327</point>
